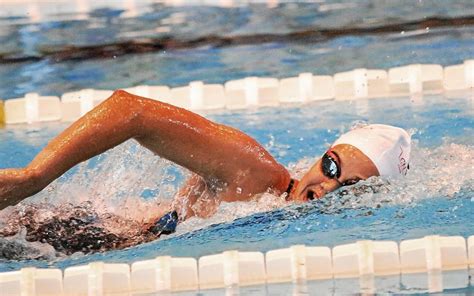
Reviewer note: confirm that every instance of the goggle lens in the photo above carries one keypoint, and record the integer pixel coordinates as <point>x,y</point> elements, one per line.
<point>330,167</point>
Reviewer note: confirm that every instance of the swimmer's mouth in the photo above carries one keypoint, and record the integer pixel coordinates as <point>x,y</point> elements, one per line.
<point>311,195</point>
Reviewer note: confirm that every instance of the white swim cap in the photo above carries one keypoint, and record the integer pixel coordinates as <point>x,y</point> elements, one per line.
<point>387,146</point>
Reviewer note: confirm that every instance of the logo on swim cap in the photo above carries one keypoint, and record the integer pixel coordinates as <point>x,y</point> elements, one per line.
<point>402,163</point>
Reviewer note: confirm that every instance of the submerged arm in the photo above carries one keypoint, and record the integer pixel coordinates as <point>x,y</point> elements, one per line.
<point>215,152</point>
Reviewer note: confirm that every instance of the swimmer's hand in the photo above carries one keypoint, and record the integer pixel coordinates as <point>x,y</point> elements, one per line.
<point>166,224</point>
<point>16,185</point>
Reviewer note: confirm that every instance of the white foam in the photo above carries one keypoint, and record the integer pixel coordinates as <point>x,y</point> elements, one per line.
<point>434,173</point>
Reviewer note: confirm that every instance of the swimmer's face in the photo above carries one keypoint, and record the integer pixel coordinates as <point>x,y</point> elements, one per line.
<point>343,165</point>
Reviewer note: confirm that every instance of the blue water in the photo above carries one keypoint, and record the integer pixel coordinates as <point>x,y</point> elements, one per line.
<point>445,46</point>
<point>437,197</point>
<point>420,205</point>
<point>218,65</point>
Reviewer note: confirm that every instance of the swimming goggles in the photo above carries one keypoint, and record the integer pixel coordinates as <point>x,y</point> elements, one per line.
<point>332,170</point>
<point>330,167</point>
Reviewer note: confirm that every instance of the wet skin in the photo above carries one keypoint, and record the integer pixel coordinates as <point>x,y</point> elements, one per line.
<point>227,164</point>
<point>354,166</point>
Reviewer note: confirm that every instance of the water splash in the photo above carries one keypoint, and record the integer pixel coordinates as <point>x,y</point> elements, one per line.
<point>105,203</point>
<point>17,247</point>
<point>85,211</point>
<point>434,173</point>
<point>128,181</point>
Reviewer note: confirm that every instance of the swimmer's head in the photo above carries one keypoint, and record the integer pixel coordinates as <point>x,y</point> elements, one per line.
<point>372,150</point>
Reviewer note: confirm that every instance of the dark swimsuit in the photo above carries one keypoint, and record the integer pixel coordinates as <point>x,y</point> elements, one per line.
<point>166,224</point>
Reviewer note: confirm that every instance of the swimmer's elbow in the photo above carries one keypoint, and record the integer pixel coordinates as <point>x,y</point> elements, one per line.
<point>120,93</point>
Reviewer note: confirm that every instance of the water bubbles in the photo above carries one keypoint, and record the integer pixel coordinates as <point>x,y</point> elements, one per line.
<point>18,248</point>
<point>359,124</point>
<point>275,148</point>
<point>115,181</point>
<point>98,206</point>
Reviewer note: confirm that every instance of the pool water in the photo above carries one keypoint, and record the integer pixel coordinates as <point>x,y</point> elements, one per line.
<point>117,192</point>
<point>49,75</point>
<point>435,198</point>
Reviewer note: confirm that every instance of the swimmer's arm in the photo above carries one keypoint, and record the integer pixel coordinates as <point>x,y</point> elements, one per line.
<point>211,150</point>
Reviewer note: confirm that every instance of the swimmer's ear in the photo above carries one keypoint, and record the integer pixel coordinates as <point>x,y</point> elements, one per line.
<point>166,224</point>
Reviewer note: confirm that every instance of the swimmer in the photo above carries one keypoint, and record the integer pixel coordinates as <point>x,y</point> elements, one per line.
<point>227,164</point>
